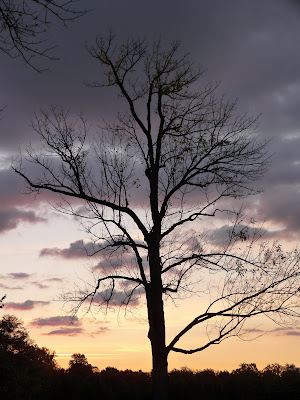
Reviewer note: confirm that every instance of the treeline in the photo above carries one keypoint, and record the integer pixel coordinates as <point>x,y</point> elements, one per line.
<point>30,372</point>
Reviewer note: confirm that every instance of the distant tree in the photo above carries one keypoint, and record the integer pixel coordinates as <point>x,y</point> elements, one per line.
<point>24,25</point>
<point>79,365</point>
<point>14,337</point>
<point>152,182</point>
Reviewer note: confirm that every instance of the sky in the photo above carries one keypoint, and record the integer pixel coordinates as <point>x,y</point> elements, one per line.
<point>252,48</point>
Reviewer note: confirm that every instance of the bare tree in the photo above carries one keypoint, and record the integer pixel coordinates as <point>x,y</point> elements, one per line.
<point>152,182</point>
<point>24,25</point>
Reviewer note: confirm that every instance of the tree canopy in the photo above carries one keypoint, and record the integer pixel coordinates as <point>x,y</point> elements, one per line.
<point>176,158</point>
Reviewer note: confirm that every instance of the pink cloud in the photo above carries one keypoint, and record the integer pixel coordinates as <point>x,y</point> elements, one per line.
<point>26,305</point>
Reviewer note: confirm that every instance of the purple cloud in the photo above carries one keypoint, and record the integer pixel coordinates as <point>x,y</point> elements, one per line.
<point>75,250</point>
<point>19,275</point>
<point>26,305</point>
<point>56,321</point>
<point>288,331</point>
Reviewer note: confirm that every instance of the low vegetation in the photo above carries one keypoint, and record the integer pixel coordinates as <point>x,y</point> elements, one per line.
<point>30,372</point>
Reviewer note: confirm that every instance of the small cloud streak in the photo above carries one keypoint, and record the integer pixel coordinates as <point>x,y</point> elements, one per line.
<point>26,305</point>
<point>292,333</point>
<point>40,285</point>
<point>2,286</point>
<point>54,280</point>
<point>55,321</point>
<point>65,332</point>
<point>288,331</point>
<point>19,275</point>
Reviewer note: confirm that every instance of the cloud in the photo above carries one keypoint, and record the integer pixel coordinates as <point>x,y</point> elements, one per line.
<point>119,298</point>
<point>54,280</point>
<point>12,217</point>
<point>280,206</point>
<point>26,305</point>
<point>77,249</point>
<point>100,331</point>
<point>65,332</point>
<point>221,236</point>
<point>292,333</point>
<point>18,275</point>
<point>286,331</point>
<point>80,249</point>
<point>40,285</point>
<point>15,206</point>
<point>2,286</point>
<point>68,326</point>
<point>56,321</point>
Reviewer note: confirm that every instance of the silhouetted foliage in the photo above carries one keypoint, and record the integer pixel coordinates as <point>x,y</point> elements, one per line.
<point>25,368</point>
<point>28,372</point>
<point>79,365</point>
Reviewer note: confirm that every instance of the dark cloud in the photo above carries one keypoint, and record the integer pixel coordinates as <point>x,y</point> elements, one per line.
<point>80,249</point>
<point>56,321</point>
<point>249,46</point>
<point>26,305</point>
<point>15,206</point>
<point>11,218</point>
<point>77,249</point>
<point>65,332</point>
<point>119,298</point>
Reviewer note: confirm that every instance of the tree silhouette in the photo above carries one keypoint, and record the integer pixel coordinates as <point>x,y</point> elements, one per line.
<point>79,365</point>
<point>23,364</point>
<point>24,25</point>
<point>152,181</point>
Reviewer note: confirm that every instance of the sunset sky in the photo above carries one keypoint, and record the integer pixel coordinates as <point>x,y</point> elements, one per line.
<point>252,48</point>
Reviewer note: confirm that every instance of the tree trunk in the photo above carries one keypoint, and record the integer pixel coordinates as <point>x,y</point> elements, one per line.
<point>157,333</point>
